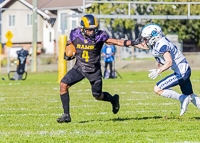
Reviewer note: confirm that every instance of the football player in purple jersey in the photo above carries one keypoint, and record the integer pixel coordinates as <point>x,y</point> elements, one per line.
<point>88,41</point>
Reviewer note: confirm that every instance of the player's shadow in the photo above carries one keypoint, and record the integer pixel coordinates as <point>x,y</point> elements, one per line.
<point>125,119</point>
<point>142,118</point>
<point>197,118</point>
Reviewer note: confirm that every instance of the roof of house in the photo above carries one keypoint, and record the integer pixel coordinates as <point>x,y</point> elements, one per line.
<point>7,3</point>
<point>58,4</point>
<point>49,5</point>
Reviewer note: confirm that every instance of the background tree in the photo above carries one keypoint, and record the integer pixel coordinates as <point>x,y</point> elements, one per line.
<point>186,29</point>
<point>121,27</point>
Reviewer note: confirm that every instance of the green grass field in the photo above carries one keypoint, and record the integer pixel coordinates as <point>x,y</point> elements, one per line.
<point>29,109</point>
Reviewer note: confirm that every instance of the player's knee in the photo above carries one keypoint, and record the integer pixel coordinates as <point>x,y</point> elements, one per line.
<point>63,88</point>
<point>157,90</point>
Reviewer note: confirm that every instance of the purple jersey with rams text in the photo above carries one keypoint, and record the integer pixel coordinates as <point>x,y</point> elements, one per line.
<point>88,51</point>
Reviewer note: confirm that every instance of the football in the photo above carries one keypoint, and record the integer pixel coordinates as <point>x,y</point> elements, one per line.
<point>71,50</point>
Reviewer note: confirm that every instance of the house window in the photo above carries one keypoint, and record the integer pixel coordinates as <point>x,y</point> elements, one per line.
<point>63,22</point>
<point>73,24</point>
<point>74,20</point>
<point>29,19</point>
<point>11,20</point>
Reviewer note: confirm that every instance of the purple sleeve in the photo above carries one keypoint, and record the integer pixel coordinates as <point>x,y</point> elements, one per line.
<point>74,34</point>
<point>102,36</point>
<point>72,37</point>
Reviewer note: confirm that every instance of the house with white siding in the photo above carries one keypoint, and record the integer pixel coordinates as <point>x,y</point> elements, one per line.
<point>51,15</point>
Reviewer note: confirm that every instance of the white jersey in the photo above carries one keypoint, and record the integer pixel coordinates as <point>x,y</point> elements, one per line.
<point>179,62</point>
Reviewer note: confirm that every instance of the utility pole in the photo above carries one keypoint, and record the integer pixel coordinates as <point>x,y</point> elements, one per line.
<point>84,7</point>
<point>0,21</point>
<point>34,43</point>
<point>0,37</point>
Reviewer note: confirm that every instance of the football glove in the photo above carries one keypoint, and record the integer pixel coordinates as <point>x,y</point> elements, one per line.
<point>69,58</point>
<point>154,73</point>
<point>136,41</point>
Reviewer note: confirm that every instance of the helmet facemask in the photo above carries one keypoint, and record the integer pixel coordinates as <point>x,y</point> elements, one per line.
<point>90,36</point>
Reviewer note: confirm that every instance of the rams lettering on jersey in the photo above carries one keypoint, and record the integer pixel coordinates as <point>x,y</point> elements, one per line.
<point>85,46</point>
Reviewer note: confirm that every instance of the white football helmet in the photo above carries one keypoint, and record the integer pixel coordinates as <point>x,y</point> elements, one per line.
<point>151,33</point>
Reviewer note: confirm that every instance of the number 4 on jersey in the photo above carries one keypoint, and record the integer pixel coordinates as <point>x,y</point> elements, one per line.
<point>85,55</point>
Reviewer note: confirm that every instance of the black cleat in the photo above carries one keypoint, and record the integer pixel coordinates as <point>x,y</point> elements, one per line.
<point>65,118</point>
<point>115,103</point>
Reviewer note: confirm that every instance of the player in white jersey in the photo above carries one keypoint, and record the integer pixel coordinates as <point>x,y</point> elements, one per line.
<point>170,56</point>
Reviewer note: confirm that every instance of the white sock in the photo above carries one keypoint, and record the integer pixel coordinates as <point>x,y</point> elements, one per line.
<point>196,100</point>
<point>173,94</point>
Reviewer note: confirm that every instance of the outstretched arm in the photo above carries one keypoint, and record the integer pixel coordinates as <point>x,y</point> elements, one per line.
<point>127,43</point>
<point>120,42</point>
